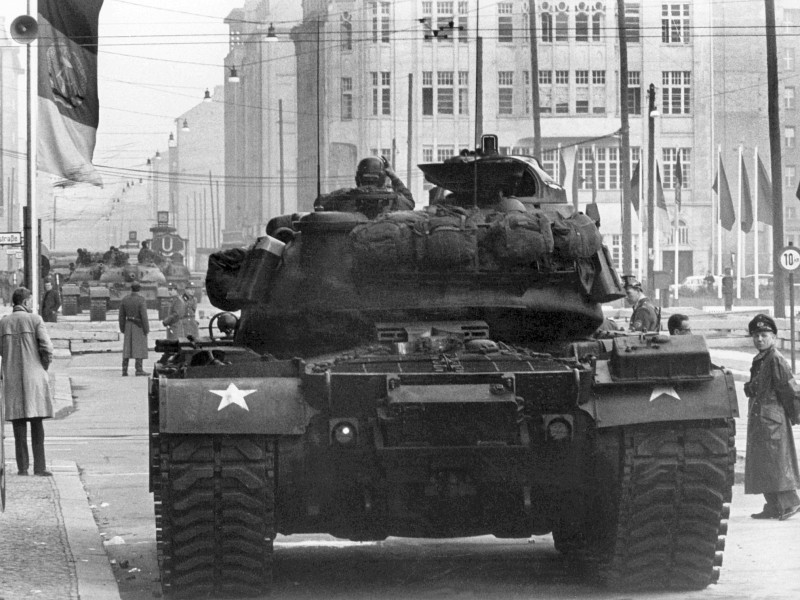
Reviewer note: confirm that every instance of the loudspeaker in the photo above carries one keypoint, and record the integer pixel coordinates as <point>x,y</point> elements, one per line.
<point>24,29</point>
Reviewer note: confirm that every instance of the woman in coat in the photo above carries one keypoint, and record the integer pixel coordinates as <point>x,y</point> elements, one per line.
<point>771,461</point>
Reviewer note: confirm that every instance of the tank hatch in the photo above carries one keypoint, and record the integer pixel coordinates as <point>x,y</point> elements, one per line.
<point>494,173</point>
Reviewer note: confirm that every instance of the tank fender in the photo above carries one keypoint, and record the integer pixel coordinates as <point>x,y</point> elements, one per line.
<point>614,404</point>
<point>243,405</point>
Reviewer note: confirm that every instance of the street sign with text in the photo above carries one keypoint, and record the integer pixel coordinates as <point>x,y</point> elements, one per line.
<point>790,258</point>
<point>10,238</point>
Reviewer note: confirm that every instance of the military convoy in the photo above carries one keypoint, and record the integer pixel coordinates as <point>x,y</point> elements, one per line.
<point>438,373</point>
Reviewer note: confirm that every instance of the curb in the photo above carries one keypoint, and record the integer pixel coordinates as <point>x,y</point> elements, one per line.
<point>96,580</point>
<point>63,404</point>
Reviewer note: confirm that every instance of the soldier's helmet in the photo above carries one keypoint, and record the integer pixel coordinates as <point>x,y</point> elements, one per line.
<point>226,323</point>
<point>370,171</point>
<point>630,281</point>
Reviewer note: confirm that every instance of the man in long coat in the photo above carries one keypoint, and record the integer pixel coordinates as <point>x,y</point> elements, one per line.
<point>174,321</point>
<point>134,324</point>
<point>51,302</point>
<point>26,352</point>
<point>770,461</point>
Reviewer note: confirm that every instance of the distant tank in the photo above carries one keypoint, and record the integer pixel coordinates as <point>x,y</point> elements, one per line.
<point>438,373</point>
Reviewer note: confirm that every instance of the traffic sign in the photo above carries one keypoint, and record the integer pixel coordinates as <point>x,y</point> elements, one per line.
<point>11,238</point>
<point>790,259</point>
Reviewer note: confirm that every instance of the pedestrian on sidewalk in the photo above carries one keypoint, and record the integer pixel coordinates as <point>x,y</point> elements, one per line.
<point>727,290</point>
<point>174,321</point>
<point>771,461</point>
<point>26,352</point>
<point>134,324</point>
<point>51,302</point>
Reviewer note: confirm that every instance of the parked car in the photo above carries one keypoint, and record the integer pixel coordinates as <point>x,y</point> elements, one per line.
<point>697,284</point>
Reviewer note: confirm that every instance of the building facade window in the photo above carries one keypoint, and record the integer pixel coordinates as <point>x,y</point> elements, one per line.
<point>463,10</point>
<point>444,92</point>
<point>387,152</point>
<point>788,97</point>
<point>561,92</point>
<point>562,25</point>
<point>427,93</point>
<point>505,92</point>
<point>676,92</point>
<point>582,26</point>
<point>788,135</point>
<point>381,12</point>
<point>427,154</point>
<point>586,168</point>
<point>675,23</point>
<point>444,152</point>
<point>787,60</point>
<point>634,92</point>
<point>346,32</point>
<point>545,92</point>
<point>347,98</point>
<point>598,98</point>
<point>463,92</point>
<point>505,22</point>
<point>607,160</point>
<point>597,24</point>
<point>683,233</point>
<point>444,18</point>
<point>669,158</point>
<point>581,77</point>
<point>790,176</point>
<point>381,93</point>
<point>549,160</point>
<point>633,22</point>
<point>547,27</point>
<point>616,251</point>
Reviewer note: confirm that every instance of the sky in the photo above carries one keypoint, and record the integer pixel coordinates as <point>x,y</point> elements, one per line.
<point>155,61</point>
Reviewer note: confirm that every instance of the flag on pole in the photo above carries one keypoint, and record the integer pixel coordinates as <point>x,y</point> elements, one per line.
<point>562,168</point>
<point>727,216</point>
<point>764,194</point>
<point>747,203</point>
<point>576,179</point>
<point>635,192</point>
<point>68,105</point>
<point>678,181</point>
<point>661,201</point>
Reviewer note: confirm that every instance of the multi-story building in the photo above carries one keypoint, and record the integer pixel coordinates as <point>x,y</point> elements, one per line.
<point>402,80</point>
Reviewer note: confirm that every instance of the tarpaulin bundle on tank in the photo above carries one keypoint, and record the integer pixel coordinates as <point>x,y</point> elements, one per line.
<point>520,238</point>
<point>576,236</point>
<point>223,270</point>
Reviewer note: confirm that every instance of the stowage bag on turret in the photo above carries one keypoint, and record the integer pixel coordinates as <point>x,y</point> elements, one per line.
<point>520,238</point>
<point>576,236</point>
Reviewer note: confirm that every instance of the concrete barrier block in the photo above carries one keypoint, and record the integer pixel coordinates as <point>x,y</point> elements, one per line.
<point>62,353</point>
<point>60,343</point>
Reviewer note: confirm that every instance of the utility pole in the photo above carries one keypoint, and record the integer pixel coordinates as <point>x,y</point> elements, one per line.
<point>537,125</point>
<point>478,79</point>
<point>773,108</point>
<point>651,129</point>
<point>281,167</point>
<point>625,149</point>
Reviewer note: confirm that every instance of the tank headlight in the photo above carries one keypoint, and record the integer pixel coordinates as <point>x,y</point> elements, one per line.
<point>344,433</point>
<point>558,429</point>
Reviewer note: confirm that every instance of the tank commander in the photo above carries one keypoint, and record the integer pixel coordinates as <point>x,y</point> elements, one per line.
<point>678,324</point>
<point>371,195</point>
<point>146,256</point>
<point>644,316</point>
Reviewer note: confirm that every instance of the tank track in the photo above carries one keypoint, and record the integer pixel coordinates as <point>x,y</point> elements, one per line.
<point>668,515</point>
<point>215,515</point>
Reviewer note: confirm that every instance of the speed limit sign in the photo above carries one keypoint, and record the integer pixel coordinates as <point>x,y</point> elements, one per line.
<point>790,259</point>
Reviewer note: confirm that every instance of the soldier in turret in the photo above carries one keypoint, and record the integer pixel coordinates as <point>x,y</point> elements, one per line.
<point>371,195</point>
<point>645,315</point>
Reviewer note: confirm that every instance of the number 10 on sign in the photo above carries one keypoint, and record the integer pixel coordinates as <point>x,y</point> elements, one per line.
<point>790,258</point>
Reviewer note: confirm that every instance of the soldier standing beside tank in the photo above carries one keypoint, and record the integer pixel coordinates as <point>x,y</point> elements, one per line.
<point>190,324</point>
<point>174,320</point>
<point>51,302</point>
<point>371,195</point>
<point>644,316</point>
<point>770,466</point>
<point>133,322</point>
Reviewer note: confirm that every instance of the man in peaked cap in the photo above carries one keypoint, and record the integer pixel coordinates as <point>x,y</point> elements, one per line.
<point>133,323</point>
<point>645,316</point>
<point>771,460</point>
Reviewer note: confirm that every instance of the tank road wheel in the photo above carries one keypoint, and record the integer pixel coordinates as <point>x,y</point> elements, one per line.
<point>217,515</point>
<point>663,523</point>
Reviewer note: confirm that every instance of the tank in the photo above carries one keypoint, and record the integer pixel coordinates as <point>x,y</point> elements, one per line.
<point>438,373</point>
<point>118,282</point>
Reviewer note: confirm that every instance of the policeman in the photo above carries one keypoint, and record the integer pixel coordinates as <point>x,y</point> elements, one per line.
<point>645,316</point>
<point>371,195</point>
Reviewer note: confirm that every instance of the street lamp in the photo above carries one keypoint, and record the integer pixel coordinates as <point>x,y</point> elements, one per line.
<point>233,77</point>
<point>207,96</point>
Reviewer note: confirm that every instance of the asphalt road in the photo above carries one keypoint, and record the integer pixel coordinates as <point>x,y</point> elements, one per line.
<point>107,437</point>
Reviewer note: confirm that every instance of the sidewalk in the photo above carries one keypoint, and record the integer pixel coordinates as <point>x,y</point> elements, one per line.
<point>50,546</point>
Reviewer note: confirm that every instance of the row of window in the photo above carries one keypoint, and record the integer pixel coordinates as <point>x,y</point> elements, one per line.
<point>446,21</point>
<point>447,93</point>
